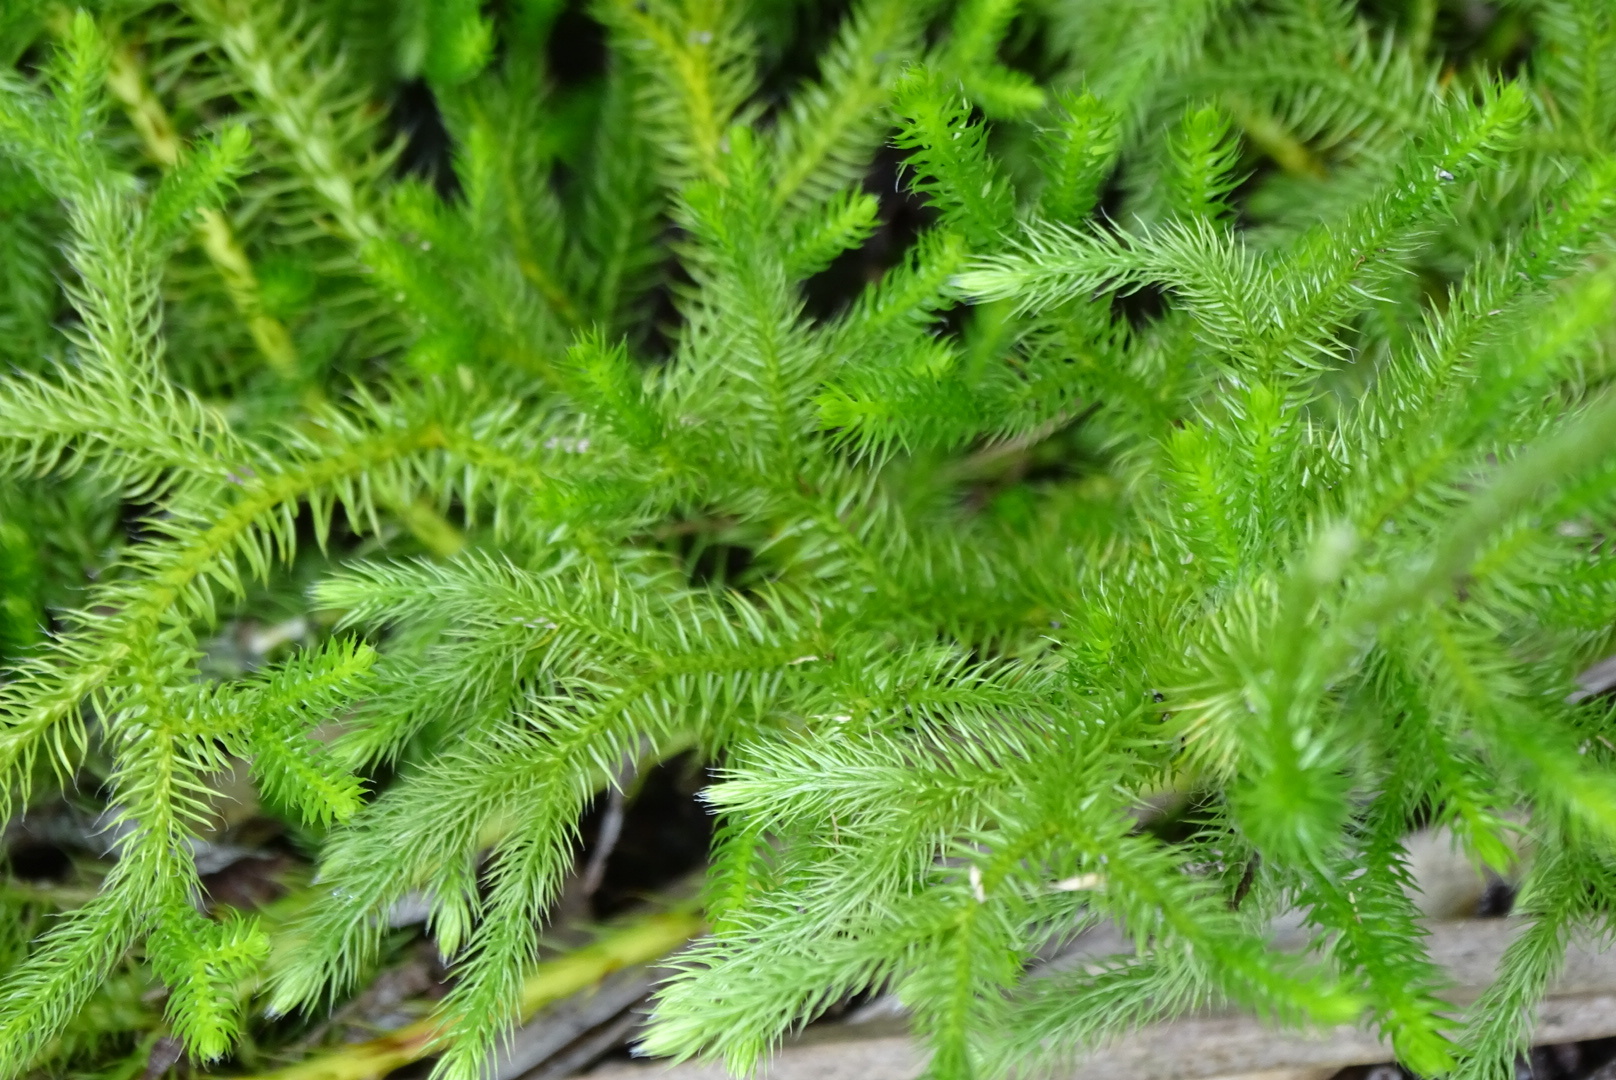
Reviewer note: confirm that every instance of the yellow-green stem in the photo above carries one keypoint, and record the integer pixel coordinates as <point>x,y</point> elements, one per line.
<point>128,84</point>
<point>162,143</point>
<point>639,942</point>
<point>1271,137</point>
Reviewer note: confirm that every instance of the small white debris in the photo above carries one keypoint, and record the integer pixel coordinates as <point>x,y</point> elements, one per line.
<point>1080,883</point>
<point>411,908</point>
<point>976,884</point>
<point>567,445</point>
<point>537,624</point>
<point>269,638</point>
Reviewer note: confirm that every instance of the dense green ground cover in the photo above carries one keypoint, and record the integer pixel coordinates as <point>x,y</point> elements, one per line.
<point>954,424</point>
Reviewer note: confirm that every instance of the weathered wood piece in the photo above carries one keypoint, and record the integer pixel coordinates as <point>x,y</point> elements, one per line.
<point>1581,1006</point>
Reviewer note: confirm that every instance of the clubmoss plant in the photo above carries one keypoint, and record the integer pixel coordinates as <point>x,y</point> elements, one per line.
<point>963,425</point>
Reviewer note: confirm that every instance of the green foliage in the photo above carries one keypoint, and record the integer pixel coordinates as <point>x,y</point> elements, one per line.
<point>1234,435</point>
